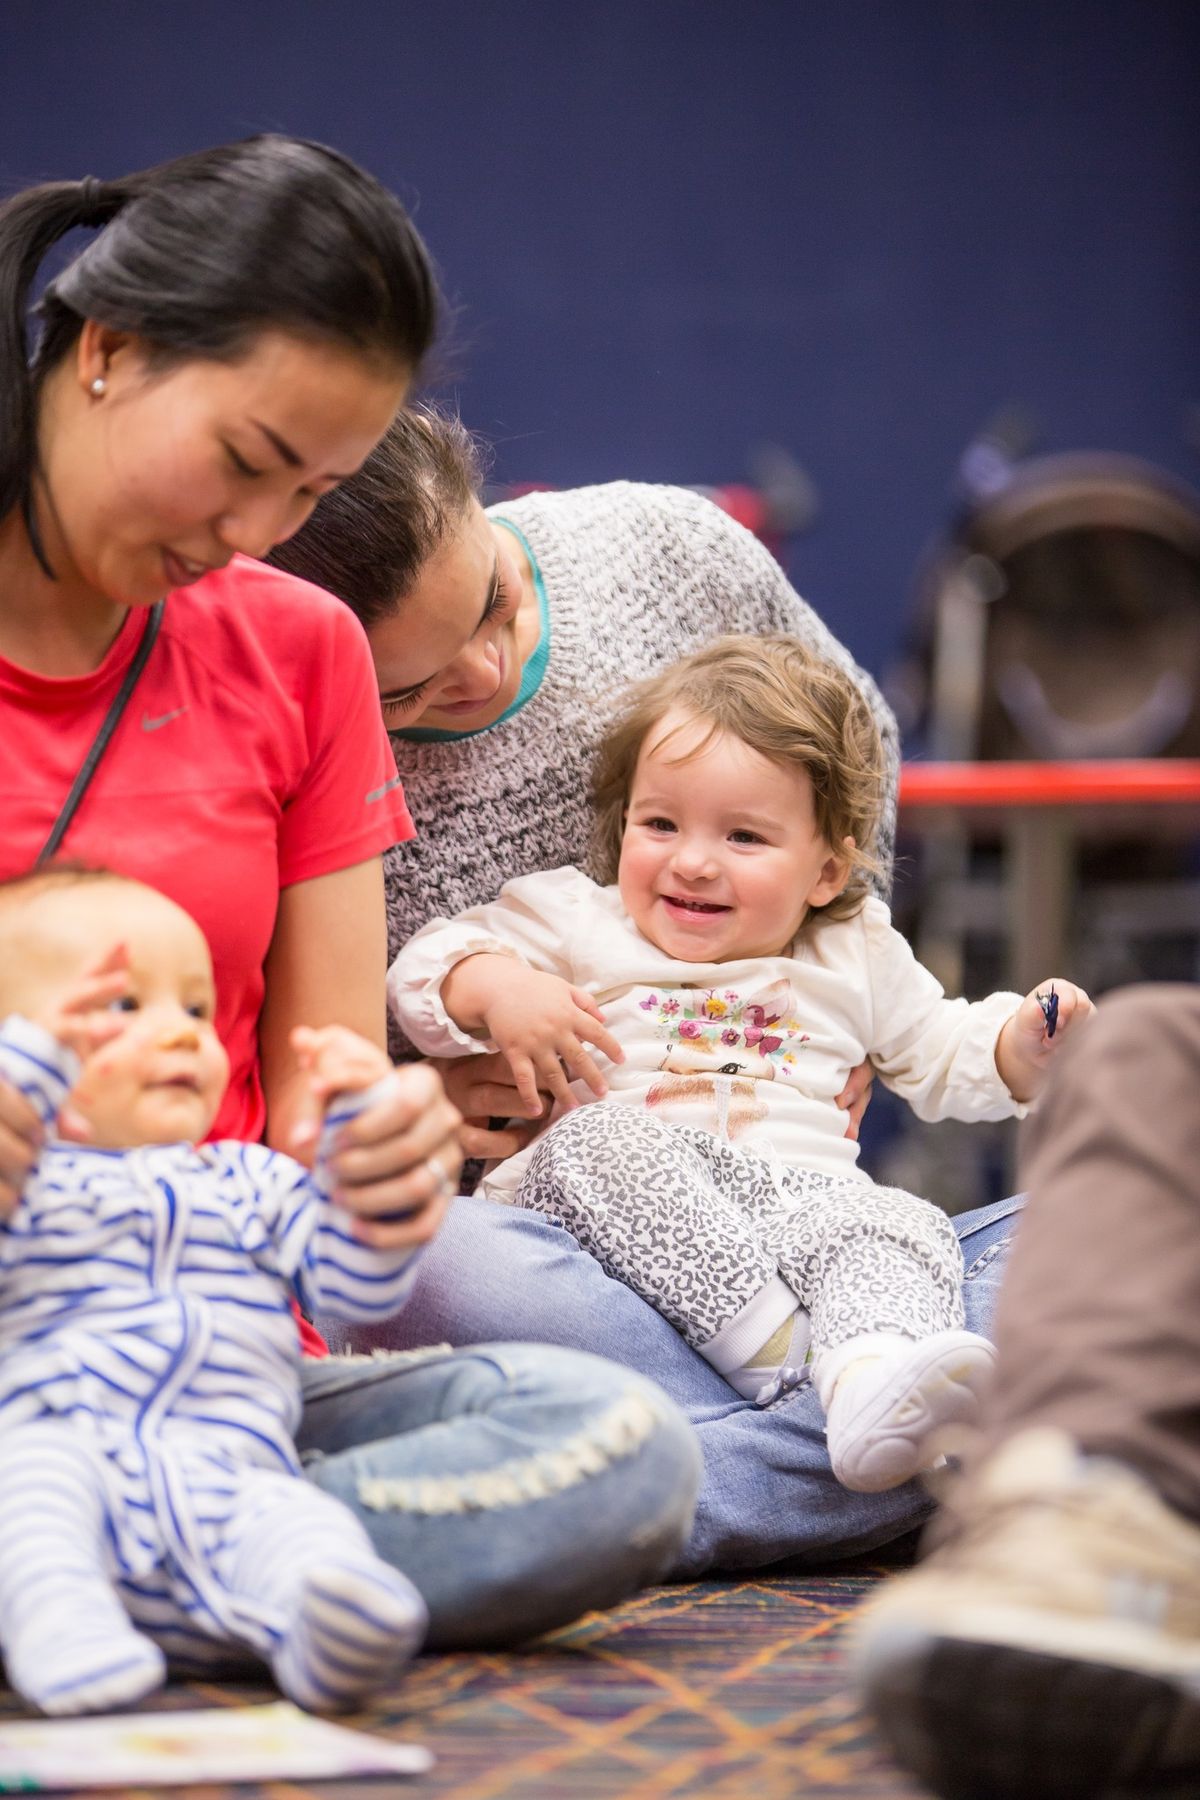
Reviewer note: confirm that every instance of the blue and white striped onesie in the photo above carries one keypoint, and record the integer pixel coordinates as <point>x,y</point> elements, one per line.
<point>149,1355</point>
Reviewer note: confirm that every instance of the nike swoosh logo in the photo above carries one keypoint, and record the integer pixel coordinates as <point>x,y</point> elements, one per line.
<point>378,793</point>
<point>149,724</point>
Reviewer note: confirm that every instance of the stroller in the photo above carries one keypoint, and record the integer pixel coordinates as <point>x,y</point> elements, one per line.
<point>1059,620</point>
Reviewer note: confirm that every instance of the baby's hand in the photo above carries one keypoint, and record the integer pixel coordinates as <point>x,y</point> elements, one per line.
<point>337,1060</point>
<point>1035,1031</point>
<point>541,1023</point>
<point>80,1016</point>
<point>394,1165</point>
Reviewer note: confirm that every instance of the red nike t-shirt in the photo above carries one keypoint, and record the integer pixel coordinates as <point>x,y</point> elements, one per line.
<point>251,755</point>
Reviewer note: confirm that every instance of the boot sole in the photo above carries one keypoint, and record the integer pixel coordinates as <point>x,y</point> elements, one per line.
<point>994,1721</point>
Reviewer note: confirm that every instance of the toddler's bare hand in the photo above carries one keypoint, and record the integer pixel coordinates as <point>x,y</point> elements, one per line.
<point>541,1024</point>
<point>1036,1030</point>
<point>1047,1015</point>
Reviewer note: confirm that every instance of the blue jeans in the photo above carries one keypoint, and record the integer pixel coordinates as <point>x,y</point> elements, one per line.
<point>768,1491</point>
<point>516,1486</point>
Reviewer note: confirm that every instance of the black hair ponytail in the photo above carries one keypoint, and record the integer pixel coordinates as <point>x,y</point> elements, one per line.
<point>30,226</point>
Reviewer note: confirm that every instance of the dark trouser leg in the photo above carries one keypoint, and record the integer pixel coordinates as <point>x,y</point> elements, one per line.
<point>1098,1325</point>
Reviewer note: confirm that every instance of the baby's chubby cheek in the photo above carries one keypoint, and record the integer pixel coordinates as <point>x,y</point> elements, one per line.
<point>122,1062</point>
<point>88,1091</point>
<point>101,1067</point>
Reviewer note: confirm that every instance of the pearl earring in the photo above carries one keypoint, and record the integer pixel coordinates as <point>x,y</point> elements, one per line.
<point>99,386</point>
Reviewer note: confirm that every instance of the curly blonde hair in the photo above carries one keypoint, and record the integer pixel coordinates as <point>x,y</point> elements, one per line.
<point>781,699</point>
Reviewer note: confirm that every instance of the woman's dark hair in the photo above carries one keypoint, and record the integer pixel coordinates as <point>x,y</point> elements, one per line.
<point>369,539</point>
<point>199,256</point>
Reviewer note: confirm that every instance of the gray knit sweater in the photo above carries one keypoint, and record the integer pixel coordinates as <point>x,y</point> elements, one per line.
<point>636,577</point>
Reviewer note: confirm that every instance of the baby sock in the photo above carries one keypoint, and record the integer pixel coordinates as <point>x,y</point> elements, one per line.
<point>887,1397</point>
<point>763,1349</point>
<point>69,1645</point>
<point>354,1626</point>
<point>84,1662</point>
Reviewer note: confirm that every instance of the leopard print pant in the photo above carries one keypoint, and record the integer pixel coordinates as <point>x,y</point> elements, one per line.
<point>698,1228</point>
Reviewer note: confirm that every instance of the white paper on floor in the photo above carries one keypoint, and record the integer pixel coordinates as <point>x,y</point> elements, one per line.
<point>276,1742</point>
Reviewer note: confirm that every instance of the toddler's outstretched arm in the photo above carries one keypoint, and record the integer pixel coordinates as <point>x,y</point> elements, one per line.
<point>1032,1034</point>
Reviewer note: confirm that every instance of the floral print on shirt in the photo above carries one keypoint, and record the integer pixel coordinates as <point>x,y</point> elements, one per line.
<point>734,1034</point>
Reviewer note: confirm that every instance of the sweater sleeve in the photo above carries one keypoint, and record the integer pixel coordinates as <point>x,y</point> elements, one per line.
<point>531,921</point>
<point>938,1054</point>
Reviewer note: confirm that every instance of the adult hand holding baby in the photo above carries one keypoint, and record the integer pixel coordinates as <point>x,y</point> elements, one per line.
<point>396,1163</point>
<point>483,1090</point>
<point>855,1097</point>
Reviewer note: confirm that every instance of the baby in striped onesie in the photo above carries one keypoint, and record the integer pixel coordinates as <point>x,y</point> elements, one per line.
<point>152,1505</point>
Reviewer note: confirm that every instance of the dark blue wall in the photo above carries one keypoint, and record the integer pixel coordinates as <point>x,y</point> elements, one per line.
<point>677,228</point>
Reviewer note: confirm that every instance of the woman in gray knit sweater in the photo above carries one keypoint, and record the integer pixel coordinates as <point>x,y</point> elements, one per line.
<point>502,640</point>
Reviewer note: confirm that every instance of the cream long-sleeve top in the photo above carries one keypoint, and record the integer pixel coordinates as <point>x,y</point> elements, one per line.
<point>754,1050</point>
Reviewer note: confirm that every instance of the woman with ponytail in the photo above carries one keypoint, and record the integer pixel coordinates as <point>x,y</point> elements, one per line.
<point>226,348</point>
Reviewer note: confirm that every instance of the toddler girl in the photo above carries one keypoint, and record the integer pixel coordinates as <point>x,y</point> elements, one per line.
<point>727,982</point>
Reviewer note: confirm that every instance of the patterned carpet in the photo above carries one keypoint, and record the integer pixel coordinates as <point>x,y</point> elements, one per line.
<point>730,1690</point>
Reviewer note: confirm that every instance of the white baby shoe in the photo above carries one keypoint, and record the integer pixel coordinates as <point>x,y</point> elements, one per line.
<point>887,1399</point>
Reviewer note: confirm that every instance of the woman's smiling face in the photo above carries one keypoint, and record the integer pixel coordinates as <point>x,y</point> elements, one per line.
<point>449,657</point>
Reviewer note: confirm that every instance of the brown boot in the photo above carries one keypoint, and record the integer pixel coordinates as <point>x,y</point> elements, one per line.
<point>1050,1646</point>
